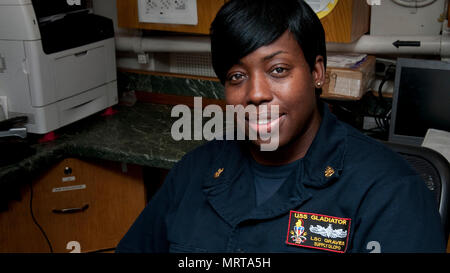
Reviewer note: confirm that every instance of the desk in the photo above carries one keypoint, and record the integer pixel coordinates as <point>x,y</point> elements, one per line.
<point>137,135</point>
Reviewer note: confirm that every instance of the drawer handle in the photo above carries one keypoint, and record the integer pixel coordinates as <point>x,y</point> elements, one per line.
<point>71,210</point>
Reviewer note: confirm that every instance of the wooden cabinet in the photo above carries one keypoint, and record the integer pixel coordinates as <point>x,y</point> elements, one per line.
<point>348,21</point>
<point>127,15</point>
<point>81,206</point>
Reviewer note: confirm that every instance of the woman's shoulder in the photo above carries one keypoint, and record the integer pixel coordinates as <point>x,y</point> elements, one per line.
<point>371,154</point>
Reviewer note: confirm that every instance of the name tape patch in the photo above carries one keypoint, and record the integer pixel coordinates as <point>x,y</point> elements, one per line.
<point>318,231</point>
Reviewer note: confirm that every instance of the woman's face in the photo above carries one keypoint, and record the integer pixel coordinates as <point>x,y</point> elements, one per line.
<point>278,74</point>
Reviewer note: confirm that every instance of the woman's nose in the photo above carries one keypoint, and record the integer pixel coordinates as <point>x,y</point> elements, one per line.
<point>259,91</point>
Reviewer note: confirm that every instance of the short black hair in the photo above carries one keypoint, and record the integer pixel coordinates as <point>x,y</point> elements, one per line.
<point>242,26</point>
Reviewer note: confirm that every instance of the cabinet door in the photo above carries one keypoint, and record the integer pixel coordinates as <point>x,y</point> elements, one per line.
<point>82,206</point>
<point>347,22</point>
<point>18,232</point>
<point>127,15</point>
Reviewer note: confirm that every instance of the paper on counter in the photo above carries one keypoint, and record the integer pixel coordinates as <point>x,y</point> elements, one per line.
<point>439,141</point>
<point>349,60</point>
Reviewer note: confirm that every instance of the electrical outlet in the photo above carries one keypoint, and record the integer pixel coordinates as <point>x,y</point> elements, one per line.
<point>386,63</point>
<point>143,58</point>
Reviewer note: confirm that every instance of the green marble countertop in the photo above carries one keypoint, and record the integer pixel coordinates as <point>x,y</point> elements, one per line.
<point>139,134</point>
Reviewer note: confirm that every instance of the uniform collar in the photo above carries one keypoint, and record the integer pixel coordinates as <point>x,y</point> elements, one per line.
<point>324,161</point>
<point>232,192</point>
<point>232,195</point>
<point>226,167</point>
<point>226,184</point>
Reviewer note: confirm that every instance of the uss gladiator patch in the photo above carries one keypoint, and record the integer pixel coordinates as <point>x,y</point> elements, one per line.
<point>312,230</point>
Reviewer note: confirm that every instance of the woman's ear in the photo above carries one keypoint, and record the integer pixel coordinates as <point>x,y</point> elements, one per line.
<point>318,73</point>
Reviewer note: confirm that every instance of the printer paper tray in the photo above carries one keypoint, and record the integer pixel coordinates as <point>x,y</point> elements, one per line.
<point>59,114</point>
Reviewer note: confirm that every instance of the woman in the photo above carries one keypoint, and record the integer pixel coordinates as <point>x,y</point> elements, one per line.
<point>325,188</point>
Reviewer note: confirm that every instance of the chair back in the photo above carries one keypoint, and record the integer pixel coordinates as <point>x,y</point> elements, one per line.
<point>435,171</point>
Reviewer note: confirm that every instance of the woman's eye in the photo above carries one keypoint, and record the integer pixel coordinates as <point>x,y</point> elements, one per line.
<point>279,70</point>
<point>234,78</point>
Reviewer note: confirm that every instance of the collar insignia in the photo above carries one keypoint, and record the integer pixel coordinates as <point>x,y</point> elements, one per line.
<point>329,171</point>
<point>218,173</point>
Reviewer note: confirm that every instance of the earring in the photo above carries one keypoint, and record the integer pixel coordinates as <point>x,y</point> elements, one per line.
<point>319,84</point>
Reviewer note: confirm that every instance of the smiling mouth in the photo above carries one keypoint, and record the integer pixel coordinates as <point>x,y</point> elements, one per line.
<point>264,123</point>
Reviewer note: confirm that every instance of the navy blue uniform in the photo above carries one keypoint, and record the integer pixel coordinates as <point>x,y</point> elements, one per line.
<point>348,194</point>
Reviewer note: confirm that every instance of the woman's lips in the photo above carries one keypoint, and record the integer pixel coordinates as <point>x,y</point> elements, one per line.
<point>264,124</point>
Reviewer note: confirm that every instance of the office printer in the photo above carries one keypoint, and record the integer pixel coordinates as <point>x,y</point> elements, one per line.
<point>57,62</point>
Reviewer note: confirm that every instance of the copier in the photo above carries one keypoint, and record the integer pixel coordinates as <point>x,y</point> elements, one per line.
<point>57,62</point>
